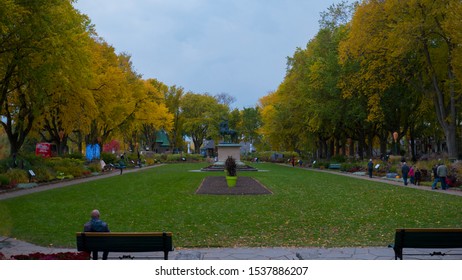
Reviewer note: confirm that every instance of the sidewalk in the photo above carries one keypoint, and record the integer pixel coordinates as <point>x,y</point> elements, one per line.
<point>11,246</point>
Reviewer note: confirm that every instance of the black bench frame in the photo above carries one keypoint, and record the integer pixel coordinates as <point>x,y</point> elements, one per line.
<point>426,238</point>
<point>125,242</point>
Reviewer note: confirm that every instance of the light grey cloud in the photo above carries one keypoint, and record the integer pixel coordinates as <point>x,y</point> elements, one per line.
<point>238,47</point>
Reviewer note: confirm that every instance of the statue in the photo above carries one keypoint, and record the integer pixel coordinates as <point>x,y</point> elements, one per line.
<point>229,135</point>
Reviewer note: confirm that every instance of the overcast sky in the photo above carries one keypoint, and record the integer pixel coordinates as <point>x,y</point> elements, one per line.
<point>238,47</point>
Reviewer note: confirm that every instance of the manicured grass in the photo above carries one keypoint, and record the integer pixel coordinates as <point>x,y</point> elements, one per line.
<point>306,209</point>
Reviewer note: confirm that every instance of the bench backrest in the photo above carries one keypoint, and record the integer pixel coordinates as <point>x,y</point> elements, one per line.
<point>124,241</point>
<point>428,238</point>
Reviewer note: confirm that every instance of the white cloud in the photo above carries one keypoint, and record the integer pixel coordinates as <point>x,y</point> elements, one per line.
<point>238,47</point>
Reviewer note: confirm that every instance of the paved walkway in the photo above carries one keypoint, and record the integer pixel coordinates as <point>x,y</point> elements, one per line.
<point>11,246</point>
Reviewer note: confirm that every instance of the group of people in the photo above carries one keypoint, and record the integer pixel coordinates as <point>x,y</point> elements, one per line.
<point>440,172</point>
<point>414,174</point>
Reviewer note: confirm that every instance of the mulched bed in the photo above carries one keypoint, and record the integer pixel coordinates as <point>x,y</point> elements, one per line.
<point>244,186</point>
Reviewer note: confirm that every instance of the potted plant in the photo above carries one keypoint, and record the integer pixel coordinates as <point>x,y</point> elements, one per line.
<point>231,171</point>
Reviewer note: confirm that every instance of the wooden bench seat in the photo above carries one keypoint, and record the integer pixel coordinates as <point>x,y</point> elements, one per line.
<point>426,238</point>
<point>125,242</point>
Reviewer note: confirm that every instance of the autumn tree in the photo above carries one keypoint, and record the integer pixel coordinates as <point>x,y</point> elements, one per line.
<point>250,124</point>
<point>173,97</point>
<point>414,43</point>
<point>201,115</point>
<point>153,114</point>
<point>41,47</point>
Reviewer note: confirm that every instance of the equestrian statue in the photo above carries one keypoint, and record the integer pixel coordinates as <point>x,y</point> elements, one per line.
<point>229,135</point>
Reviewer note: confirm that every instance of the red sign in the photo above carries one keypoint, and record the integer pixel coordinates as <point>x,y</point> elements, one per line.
<point>45,149</point>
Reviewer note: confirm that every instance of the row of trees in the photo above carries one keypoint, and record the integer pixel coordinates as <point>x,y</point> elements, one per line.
<point>60,82</point>
<point>375,68</point>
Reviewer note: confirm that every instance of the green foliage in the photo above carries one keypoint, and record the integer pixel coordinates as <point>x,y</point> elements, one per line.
<point>43,173</point>
<point>351,167</point>
<point>184,158</point>
<point>268,156</point>
<point>17,176</point>
<point>94,167</point>
<point>78,156</point>
<point>109,158</point>
<point>323,164</point>
<point>5,164</point>
<point>4,180</point>
<point>338,158</point>
<point>68,166</point>
<point>230,166</point>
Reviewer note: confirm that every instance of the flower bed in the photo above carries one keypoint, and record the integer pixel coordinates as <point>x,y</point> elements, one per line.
<point>56,256</point>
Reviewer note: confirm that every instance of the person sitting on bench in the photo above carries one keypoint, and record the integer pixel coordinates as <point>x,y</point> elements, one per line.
<point>96,225</point>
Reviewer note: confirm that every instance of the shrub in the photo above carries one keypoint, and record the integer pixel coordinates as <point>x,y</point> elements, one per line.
<point>17,175</point>
<point>338,158</point>
<point>68,166</point>
<point>5,164</point>
<point>43,173</point>
<point>4,180</point>
<point>149,161</point>
<point>94,167</point>
<point>109,158</point>
<point>175,158</point>
<point>351,167</point>
<point>230,166</point>
<point>320,164</point>
<point>78,156</point>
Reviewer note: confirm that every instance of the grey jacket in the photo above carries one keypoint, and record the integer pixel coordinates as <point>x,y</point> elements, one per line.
<point>442,171</point>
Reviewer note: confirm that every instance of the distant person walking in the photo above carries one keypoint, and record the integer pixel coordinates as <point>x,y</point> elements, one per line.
<point>418,177</point>
<point>405,171</point>
<point>412,175</point>
<point>442,172</point>
<point>370,167</point>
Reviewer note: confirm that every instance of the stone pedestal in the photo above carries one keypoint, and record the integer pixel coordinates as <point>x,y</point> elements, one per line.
<point>229,150</point>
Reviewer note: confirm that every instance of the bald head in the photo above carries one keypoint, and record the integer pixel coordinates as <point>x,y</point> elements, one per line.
<point>95,214</point>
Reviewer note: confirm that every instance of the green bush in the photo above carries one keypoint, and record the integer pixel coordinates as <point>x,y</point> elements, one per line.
<point>194,157</point>
<point>4,180</point>
<point>76,171</point>
<point>175,158</point>
<point>17,175</point>
<point>78,156</point>
<point>268,156</point>
<point>321,164</point>
<point>44,173</point>
<point>338,159</point>
<point>94,167</point>
<point>68,166</point>
<point>109,158</point>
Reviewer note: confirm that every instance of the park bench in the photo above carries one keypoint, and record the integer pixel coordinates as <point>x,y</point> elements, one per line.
<point>334,166</point>
<point>125,242</point>
<point>121,165</point>
<point>426,238</point>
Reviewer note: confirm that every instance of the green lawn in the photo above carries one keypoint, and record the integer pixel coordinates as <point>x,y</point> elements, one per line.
<point>309,209</point>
